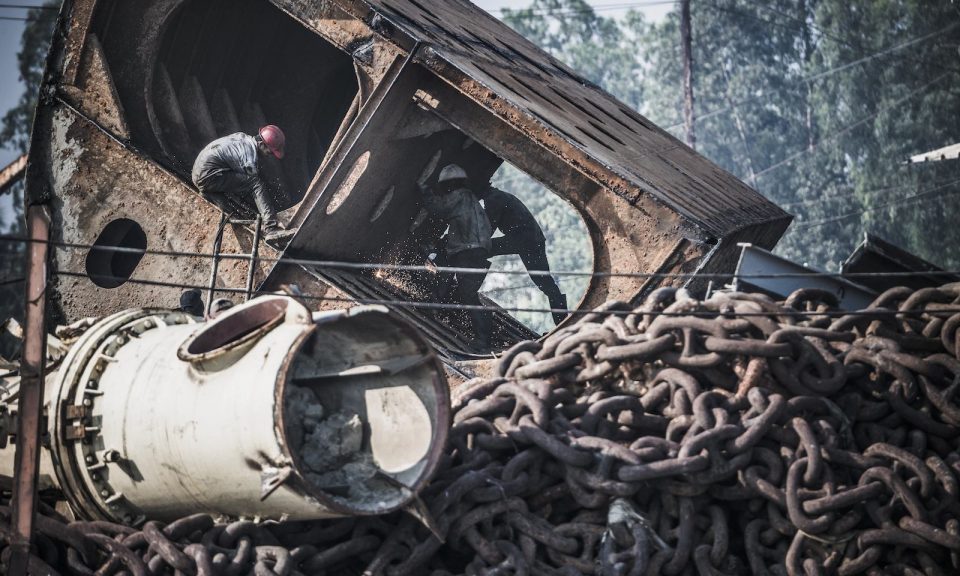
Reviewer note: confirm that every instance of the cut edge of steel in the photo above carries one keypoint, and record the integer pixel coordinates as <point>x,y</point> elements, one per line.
<point>13,173</point>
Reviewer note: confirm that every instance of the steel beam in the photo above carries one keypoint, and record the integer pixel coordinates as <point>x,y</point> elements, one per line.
<point>760,269</point>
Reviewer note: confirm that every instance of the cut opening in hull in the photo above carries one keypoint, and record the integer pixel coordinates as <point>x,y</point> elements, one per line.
<point>209,68</point>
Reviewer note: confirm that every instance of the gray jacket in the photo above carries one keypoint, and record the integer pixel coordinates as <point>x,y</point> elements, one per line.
<point>236,153</point>
<point>460,209</point>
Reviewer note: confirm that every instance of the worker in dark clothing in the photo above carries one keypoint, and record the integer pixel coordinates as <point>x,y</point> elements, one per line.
<point>191,302</point>
<point>523,236</point>
<point>467,242</point>
<point>227,172</point>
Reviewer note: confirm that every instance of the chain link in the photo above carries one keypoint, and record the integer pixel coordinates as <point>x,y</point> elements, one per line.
<point>711,444</point>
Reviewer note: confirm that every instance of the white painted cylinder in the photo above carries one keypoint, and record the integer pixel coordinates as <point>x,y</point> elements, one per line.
<point>160,417</point>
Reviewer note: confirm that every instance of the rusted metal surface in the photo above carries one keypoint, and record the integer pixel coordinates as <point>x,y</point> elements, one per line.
<point>98,180</point>
<point>627,153</point>
<point>30,402</point>
<point>736,435</point>
<point>371,92</point>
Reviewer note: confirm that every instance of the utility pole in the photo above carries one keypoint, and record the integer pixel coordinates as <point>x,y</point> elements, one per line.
<point>685,40</point>
<point>30,403</point>
<point>807,56</point>
<point>741,130</point>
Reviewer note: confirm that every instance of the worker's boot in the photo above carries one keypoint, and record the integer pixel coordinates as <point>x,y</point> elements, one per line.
<point>559,302</point>
<point>274,233</point>
<point>482,323</point>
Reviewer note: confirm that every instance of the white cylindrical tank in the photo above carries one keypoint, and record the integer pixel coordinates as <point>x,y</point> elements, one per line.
<point>266,412</point>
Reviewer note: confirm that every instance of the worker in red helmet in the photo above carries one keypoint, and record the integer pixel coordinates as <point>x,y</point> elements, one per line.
<point>227,172</point>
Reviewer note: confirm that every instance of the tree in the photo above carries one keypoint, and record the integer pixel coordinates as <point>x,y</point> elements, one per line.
<point>816,103</point>
<point>15,133</point>
<point>34,45</point>
<point>12,262</point>
<point>597,47</point>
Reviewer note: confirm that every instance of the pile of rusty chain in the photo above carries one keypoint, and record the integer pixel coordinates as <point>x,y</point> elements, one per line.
<point>730,436</point>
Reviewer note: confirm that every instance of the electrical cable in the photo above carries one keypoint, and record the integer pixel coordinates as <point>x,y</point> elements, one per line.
<point>853,194</point>
<point>454,270</point>
<point>864,58</point>
<point>913,94</point>
<point>831,35</point>
<point>806,79</point>
<point>901,202</point>
<point>846,195</point>
<point>876,313</point>
<point>887,51</point>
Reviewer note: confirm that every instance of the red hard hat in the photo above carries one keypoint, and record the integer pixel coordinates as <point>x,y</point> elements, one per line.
<point>273,137</point>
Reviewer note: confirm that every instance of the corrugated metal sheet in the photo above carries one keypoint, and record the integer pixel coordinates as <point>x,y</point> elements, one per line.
<point>597,124</point>
<point>370,93</point>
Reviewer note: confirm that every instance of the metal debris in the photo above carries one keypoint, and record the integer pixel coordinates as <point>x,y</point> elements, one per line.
<point>730,436</point>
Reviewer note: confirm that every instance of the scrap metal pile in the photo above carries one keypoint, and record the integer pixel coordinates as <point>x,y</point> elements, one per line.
<point>729,436</point>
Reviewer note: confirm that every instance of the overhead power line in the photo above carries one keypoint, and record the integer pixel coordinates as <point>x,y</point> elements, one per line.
<point>903,201</point>
<point>870,313</point>
<point>832,35</point>
<point>913,94</point>
<point>846,195</point>
<point>361,266</point>
<point>850,194</point>
<point>890,50</point>
<point>796,83</point>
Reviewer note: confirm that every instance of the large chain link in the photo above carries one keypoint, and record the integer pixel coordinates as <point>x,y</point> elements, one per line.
<point>728,436</point>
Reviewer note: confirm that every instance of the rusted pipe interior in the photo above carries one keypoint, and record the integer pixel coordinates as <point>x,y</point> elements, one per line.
<point>382,417</point>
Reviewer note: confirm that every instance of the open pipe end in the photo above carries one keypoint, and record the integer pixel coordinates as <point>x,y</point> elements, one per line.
<point>235,330</point>
<point>365,412</point>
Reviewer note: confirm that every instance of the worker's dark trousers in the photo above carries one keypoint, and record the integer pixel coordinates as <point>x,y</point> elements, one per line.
<point>231,191</point>
<point>533,254</point>
<point>468,286</point>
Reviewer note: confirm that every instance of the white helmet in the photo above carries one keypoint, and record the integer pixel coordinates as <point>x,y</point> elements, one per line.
<point>452,172</point>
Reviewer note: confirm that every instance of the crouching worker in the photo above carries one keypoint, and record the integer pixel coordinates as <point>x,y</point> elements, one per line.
<point>227,172</point>
<point>467,243</point>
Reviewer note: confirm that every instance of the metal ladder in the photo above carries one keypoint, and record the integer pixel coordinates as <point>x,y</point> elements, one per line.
<point>252,258</point>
